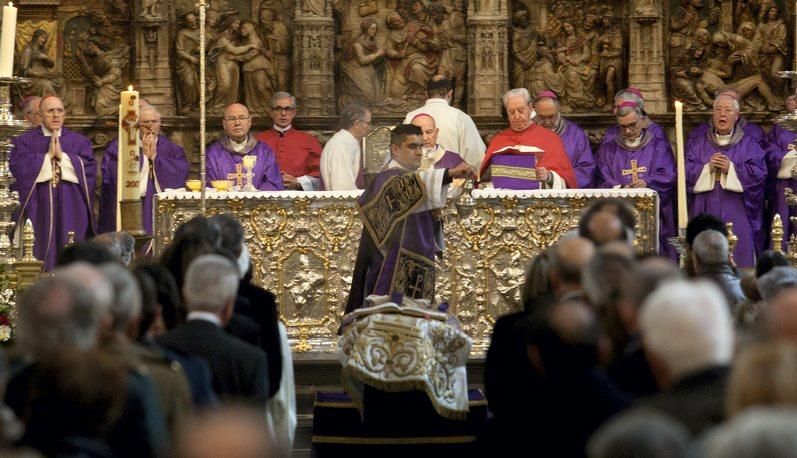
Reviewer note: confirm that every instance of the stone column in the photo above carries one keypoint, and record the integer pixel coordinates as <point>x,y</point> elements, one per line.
<point>646,69</point>
<point>487,56</point>
<point>313,60</point>
<point>152,70</point>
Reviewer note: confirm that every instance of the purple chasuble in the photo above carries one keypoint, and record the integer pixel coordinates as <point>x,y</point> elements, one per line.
<point>579,151</point>
<point>780,141</point>
<point>221,161</point>
<point>54,210</point>
<point>653,161</point>
<point>168,170</point>
<point>653,128</point>
<point>449,160</point>
<point>745,209</point>
<point>397,248</point>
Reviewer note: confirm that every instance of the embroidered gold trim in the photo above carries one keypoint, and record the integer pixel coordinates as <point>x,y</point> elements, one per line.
<point>413,276</point>
<point>507,171</point>
<point>399,196</point>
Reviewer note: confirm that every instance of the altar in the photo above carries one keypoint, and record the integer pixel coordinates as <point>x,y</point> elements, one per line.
<point>303,246</point>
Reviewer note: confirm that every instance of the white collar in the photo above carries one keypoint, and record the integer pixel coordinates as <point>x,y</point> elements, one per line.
<point>723,140</point>
<point>436,100</point>
<point>238,147</point>
<point>48,133</point>
<point>636,142</point>
<point>204,316</point>
<point>282,130</point>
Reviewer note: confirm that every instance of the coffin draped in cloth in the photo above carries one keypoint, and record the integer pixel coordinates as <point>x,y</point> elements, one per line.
<point>513,167</point>
<point>406,347</point>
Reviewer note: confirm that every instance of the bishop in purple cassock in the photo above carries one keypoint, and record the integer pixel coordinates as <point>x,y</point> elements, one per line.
<point>163,165</point>
<point>224,155</point>
<point>725,175</point>
<point>638,159</point>
<point>632,94</point>
<point>782,166</point>
<point>575,140</point>
<point>55,172</point>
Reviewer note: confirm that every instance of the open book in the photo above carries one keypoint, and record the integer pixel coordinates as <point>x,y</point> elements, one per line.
<point>519,149</point>
<point>391,307</point>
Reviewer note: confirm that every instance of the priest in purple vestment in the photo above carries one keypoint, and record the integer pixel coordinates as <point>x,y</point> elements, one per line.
<point>632,94</point>
<point>575,140</point>
<point>782,174</point>
<point>638,159</point>
<point>751,130</point>
<point>229,151</point>
<point>55,174</point>
<point>163,165</point>
<point>397,249</point>
<point>434,155</point>
<point>725,174</point>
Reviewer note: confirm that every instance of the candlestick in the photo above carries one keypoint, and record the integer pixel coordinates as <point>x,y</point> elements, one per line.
<point>679,155</point>
<point>7,40</point>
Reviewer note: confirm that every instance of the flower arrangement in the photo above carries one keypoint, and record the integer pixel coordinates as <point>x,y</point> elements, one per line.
<point>7,304</point>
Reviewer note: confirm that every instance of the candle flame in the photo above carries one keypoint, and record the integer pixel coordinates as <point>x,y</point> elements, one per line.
<point>11,4</point>
<point>130,87</point>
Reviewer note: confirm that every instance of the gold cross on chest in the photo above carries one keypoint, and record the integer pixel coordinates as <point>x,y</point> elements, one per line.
<point>238,176</point>
<point>634,171</point>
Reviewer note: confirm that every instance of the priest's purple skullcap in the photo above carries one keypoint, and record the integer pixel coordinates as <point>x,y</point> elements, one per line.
<point>635,91</point>
<point>627,103</point>
<point>547,93</point>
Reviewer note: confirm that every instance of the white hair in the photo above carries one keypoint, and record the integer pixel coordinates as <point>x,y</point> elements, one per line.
<point>517,92</point>
<point>710,248</point>
<point>626,95</point>
<point>735,101</point>
<point>126,305</point>
<point>688,325</point>
<point>210,282</point>
<point>753,433</point>
<point>775,281</point>
<point>624,111</point>
<point>639,432</point>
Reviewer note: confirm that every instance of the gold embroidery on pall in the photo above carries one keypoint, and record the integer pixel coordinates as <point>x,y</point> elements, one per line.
<point>506,171</point>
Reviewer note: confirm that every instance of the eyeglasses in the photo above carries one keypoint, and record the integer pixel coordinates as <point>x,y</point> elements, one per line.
<point>283,109</point>
<point>237,118</point>
<point>631,126</point>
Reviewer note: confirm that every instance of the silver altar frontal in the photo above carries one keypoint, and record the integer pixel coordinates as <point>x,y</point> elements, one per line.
<point>303,246</point>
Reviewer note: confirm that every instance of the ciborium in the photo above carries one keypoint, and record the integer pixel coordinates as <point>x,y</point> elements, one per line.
<point>10,127</point>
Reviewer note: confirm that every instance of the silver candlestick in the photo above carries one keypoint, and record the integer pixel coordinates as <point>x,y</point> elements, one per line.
<point>10,127</point>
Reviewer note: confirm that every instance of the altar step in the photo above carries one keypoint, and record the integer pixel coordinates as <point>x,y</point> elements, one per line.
<point>315,372</point>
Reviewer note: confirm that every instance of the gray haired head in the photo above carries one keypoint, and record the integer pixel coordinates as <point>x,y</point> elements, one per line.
<point>776,280</point>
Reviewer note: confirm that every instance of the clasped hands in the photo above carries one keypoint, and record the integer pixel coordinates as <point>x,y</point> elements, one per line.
<point>148,145</point>
<point>720,162</point>
<point>55,148</point>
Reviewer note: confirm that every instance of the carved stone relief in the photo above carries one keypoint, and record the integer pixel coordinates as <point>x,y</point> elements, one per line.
<point>575,49</point>
<point>36,58</point>
<point>739,45</point>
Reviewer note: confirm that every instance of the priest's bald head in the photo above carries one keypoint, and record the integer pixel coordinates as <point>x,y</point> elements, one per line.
<point>53,113</point>
<point>517,103</point>
<point>237,122</point>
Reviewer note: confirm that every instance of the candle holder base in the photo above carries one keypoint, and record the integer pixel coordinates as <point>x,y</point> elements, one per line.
<point>132,222</point>
<point>679,243</point>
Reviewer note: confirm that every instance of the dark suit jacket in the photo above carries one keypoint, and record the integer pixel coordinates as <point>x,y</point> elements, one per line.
<point>240,370</point>
<point>261,306</point>
<point>244,328</point>
<point>197,371</point>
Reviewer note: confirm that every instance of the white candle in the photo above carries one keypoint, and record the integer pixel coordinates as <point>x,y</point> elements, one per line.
<point>129,146</point>
<point>7,40</point>
<point>683,216</point>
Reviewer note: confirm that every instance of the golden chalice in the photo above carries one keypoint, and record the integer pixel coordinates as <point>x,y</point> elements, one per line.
<point>193,185</point>
<point>221,185</point>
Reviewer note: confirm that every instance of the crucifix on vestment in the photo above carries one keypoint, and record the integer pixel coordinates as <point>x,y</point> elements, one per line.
<point>634,170</point>
<point>238,176</point>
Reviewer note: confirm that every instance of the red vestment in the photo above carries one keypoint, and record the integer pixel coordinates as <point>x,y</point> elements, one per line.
<point>554,157</point>
<point>298,153</point>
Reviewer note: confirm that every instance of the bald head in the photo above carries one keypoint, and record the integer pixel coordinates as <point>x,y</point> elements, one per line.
<point>230,432</point>
<point>53,112</point>
<point>237,122</point>
<point>428,129</point>
<point>569,258</point>
<point>605,227</point>
<point>782,315</point>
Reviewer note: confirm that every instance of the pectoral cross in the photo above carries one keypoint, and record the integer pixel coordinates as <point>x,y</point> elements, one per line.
<point>634,171</point>
<point>55,162</point>
<point>238,176</point>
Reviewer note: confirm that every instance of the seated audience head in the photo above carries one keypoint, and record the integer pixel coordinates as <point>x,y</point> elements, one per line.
<point>150,322</point>
<point>406,146</point>
<point>211,284</point>
<point>198,236</point>
<point>686,327</point>
<point>227,431</point>
<point>546,109</point>
<point>517,103</point>
<point>67,309</point>
<point>606,226</point>
<point>537,281</point>
<point>126,306</point>
<point>710,248</point>
<point>121,244</point>
<point>237,121</point>
<point>602,281</point>
<point>566,342</point>
<point>763,375</point>
<point>638,433</point>
<point>283,109</point>
<point>702,222</point>
<point>760,432</point>
<point>169,305</point>
<point>87,251</point>
<point>440,87</point>
<point>639,283</point>
<point>232,240</point>
<point>777,279</point>
<point>781,315</point>
<point>568,258</point>
<point>30,110</point>
<point>768,260</point>
<point>356,118</point>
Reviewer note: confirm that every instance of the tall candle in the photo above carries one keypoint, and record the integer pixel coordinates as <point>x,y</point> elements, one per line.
<point>679,156</point>
<point>7,40</point>
<point>129,146</point>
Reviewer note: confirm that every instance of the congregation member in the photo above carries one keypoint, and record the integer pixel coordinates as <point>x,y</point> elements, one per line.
<point>782,166</point>
<point>55,173</point>
<point>298,153</point>
<point>162,165</point>
<point>551,168</point>
<point>458,132</point>
<point>711,258</point>
<point>30,110</point>
<point>632,94</point>
<point>575,140</point>
<point>225,157</point>
<point>725,174</point>
<point>637,159</point>
<point>399,257</point>
<point>434,155</point>
<point>341,158</point>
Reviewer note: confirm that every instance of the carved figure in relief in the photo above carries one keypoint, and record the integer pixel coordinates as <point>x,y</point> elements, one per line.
<point>412,58</point>
<point>744,52</point>
<point>103,67</point>
<point>610,60</point>
<point>277,39</point>
<point>314,7</point>
<point>683,25</point>
<point>771,43</point>
<point>543,74</point>
<point>36,64</point>
<point>149,9</point>
<point>258,71</point>
<point>223,53</point>
<point>450,32</point>
<point>575,59</point>
<point>305,288</point>
<point>360,78</point>
<point>523,49</point>
<point>686,82</point>
<point>747,11</point>
<point>187,65</point>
